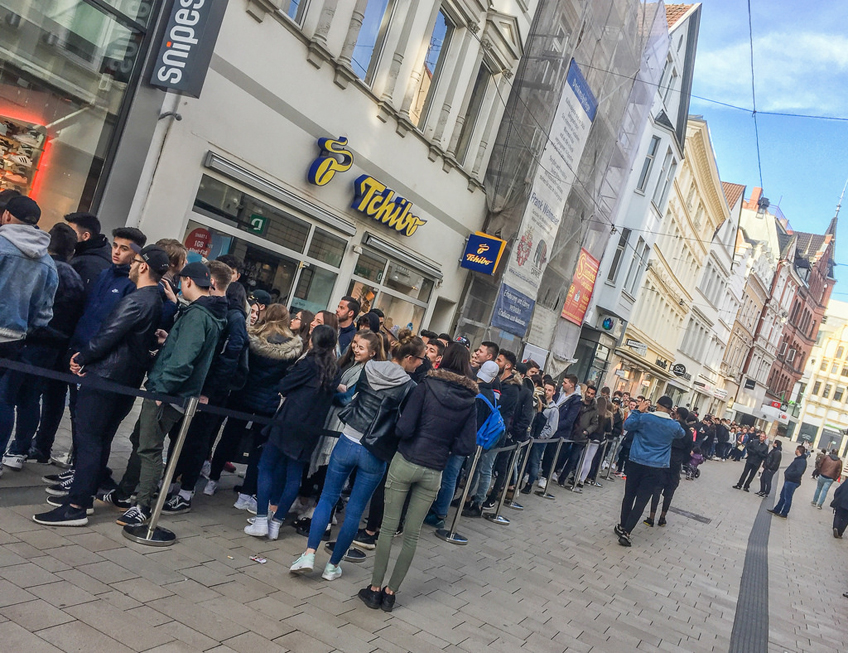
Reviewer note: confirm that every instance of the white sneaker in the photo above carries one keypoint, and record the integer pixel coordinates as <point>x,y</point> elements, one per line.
<point>273,529</point>
<point>206,469</point>
<point>542,483</point>
<point>259,527</point>
<point>331,572</point>
<point>555,477</point>
<point>304,564</point>
<point>525,479</point>
<point>246,502</point>
<point>14,462</point>
<point>210,488</point>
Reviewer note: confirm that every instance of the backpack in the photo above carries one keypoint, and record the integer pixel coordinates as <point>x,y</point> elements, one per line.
<point>491,430</point>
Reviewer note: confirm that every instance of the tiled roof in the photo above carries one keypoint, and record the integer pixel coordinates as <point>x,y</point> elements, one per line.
<point>673,13</point>
<point>809,244</point>
<point>732,192</point>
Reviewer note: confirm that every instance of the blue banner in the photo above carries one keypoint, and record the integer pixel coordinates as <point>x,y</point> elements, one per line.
<point>482,253</point>
<point>513,311</point>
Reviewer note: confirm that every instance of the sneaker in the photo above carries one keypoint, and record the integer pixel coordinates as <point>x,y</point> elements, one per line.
<point>542,483</point>
<point>37,457</point>
<point>737,487</point>
<point>135,516</point>
<point>62,501</point>
<point>618,530</point>
<point>246,502</point>
<point>176,505</point>
<point>661,522</point>
<point>365,540</point>
<point>304,564</point>
<point>648,522</point>
<point>372,598</point>
<point>259,527</point>
<point>113,499</point>
<point>473,510</point>
<point>332,572</point>
<point>229,467</point>
<point>624,540</point>
<point>399,531</point>
<point>577,489</point>
<point>206,469</point>
<point>489,504</point>
<point>353,554</point>
<point>387,602</point>
<point>432,519</point>
<point>61,489</point>
<point>62,516</point>
<point>836,534</point>
<point>52,479</point>
<point>526,489</point>
<point>819,507</point>
<point>14,462</point>
<point>210,488</point>
<point>273,529</point>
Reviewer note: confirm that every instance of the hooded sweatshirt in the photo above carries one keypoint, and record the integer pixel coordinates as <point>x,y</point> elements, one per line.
<point>381,388</point>
<point>28,281</point>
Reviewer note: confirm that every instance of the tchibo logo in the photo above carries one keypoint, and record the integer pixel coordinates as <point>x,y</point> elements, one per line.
<point>181,37</point>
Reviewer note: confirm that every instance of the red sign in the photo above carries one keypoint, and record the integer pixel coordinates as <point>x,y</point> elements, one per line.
<point>582,285</point>
<point>776,404</point>
<point>199,240</point>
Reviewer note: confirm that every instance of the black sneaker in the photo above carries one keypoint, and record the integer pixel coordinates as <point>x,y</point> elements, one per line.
<point>473,510</point>
<point>135,516</point>
<point>63,501</point>
<point>353,554</point>
<point>371,598</point>
<point>399,531</point>
<point>52,479</point>
<point>365,540</point>
<point>648,522</point>
<point>489,504</point>
<point>37,457</point>
<point>387,600</point>
<point>661,522</point>
<point>111,498</point>
<point>61,489</point>
<point>624,540</point>
<point>618,530</point>
<point>62,516</point>
<point>176,505</point>
<point>527,489</point>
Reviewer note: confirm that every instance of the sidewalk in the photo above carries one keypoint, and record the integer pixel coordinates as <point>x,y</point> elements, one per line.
<point>554,580</point>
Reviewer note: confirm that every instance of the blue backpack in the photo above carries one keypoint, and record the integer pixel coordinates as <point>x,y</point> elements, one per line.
<point>491,430</point>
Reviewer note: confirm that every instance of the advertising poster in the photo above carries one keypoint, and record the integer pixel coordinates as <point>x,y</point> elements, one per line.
<point>582,285</point>
<point>513,311</point>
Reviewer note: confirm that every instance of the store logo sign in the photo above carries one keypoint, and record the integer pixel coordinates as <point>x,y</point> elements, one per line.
<point>482,253</point>
<point>187,45</point>
<point>334,158</point>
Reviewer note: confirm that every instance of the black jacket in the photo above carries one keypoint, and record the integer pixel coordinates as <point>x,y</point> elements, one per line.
<point>840,497</point>
<point>722,434</point>
<point>91,257</point>
<point>120,350</point>
<point>438,420</point>
<point>299,422</point>
<point>756,450</point>
<point>422,370</point>
<point>524,412</point>
<point>681,448</point>
<point>268,361</point>
<point>568,411</point>
<point>795,472</point>
<point>773,458</point>
<point>508,402</point>
<point>67,309</point>
<point>617,422</point>
<point>231,347</point>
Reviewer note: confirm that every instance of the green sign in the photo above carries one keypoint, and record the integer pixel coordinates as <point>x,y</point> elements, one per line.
<point>258,223</point>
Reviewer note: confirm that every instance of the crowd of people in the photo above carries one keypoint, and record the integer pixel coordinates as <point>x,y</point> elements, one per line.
<point>342,415</point>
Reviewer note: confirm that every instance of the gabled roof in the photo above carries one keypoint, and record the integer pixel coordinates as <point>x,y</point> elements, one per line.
<point>673,13</point>
<point>810,244</point>
<point>732,192</point>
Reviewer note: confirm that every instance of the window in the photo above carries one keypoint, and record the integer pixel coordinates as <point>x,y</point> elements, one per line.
<point>636,265</point>
<point>369,42</point>
<point>840,351</point>
<point>837,396</point>
<point>478,94</point>
<point>823,367</point>
<point>666,176</point>
<point>827,388</point>
<point>294,9</point>
<point>670,87</point>
<point>619,252</point>
<point>816,387</point>
<point>791,356</point>
<point>648,164</point>
<point>845,371</point>
<point>433,64</point>
<point>834,368</point>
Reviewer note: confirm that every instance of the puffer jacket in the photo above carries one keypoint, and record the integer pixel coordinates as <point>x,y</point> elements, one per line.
<point>830,466</point>
<point>268,361</point>
<point>102,295</point>
<point>120,350</point>
<point>795,472</point>
<point>234,340</point>
<point>91,257</point>
<point>524,412</point>
<point>508,404</point>
<point>587,422</point>
<point>438,420</point>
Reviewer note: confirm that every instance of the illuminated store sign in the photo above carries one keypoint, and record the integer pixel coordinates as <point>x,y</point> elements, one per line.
<point>482,253</point>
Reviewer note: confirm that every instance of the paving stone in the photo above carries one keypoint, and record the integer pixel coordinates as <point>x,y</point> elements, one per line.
<point>35,615</point>
<point>17,638</point>
<point>12,594</point>
<point>62,594</point>
<point>117,624</point>
<point>27,575</point>
<point>79,637</point>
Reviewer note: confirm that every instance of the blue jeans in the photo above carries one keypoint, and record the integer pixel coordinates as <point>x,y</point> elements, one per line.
<point>823,486</point>
<point>448,486</point>
<point>534,464</point>
<point>785,501</point>
<point>347,456</point>
<point>483,474</point>
<point>278,482</point>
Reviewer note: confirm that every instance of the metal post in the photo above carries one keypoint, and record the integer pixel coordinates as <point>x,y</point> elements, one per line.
<point>450,535</point>
<point>513,504</point>
<point>579,465</point>
<point>603,455</point>
<point>545,494</point>
<point>615,449</point>
<point>151,534</point>
<point>496,517</point>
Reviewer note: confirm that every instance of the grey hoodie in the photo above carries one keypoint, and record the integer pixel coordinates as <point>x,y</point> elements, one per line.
<point>380,375</point>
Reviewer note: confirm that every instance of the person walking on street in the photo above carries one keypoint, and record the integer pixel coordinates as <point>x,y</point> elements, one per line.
<point>828,469</point>
<point>791,482</point>
<point>840,510</point>
<point>650,454</point>
<point>770,467</point>
<point>756,450</point>
<point>681,450</point>
<point>438,421</point>
<point>118,353</point>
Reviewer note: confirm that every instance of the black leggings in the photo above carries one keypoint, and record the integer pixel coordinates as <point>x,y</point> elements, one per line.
<point>670,483</point>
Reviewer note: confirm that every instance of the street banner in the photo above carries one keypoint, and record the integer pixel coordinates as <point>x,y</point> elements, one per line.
<point>582,285</point>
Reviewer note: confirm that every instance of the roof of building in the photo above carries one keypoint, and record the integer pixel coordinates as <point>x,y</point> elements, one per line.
<point>732,192</point>
<point>673,13</point>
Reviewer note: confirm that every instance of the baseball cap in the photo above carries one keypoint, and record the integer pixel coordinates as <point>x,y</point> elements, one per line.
<point>262,296</point>
<point>488,371</point>
<point>521,368</point>
<point>24,209</point>
<point>666,402</point>
<point>462,340</point>
<point>198,273</point>
<point>156,258</point>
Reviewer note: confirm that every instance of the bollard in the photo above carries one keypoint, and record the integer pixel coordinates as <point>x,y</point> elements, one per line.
<point>545,494</point>
<point>450,535</point>
<point>513,504</point>
<point>151,534</point>
<point>496,517</point>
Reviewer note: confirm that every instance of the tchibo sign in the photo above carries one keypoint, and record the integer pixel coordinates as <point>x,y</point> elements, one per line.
<point>187,45</point>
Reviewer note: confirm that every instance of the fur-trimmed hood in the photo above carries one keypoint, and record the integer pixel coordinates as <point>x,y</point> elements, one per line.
<point>514,379</point>
<point>276,347</point>
<point>452,379</point>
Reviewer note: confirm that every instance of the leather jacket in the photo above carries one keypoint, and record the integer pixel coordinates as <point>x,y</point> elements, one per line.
<point>120,350</point>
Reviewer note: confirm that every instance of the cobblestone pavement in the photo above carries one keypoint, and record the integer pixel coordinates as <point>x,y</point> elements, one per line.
<point>555,580</point>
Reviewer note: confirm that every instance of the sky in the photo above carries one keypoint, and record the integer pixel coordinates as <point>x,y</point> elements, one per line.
<point>800,66</point>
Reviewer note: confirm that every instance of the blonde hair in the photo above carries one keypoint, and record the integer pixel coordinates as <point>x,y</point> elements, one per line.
<point>277,322</point>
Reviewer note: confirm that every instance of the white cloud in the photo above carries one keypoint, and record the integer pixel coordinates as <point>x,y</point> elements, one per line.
<point>803,72</point>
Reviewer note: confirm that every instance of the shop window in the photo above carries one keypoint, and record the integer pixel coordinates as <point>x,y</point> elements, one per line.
<point>408,281</point>
<point>371,266</point>
<point>478,94</point>
<point>439,41</point>
<point>327,248</point>
<point>314,289</point>
<point>65,68</point>
<point>369,42</point>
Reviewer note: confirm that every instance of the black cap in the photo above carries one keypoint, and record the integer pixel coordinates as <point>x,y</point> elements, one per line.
<point>156,258</point>
<point>666,402</point>
<point>462,340</point>
<point>262,297</point>
<point>198,273</point>
<point>521,368</point>
<point>24,209</point>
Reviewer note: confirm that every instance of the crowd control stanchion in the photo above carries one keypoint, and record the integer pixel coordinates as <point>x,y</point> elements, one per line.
<point>151,534</point>
<point>545,494</point>
<point>513,503</point>
<point>496,517</point>
<point>613,456</point>
<point>450,534</point>
<point>603,457</point>
<point>579,466</point>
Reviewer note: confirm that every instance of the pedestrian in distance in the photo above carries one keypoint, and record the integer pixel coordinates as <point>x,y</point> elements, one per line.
<point>770,467</point>
<point>681,449</point>
<point>756,450</point>
<point>791,482</point>
<point>840,510</point>
<point>828,469</point>
<point>696,459</point>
